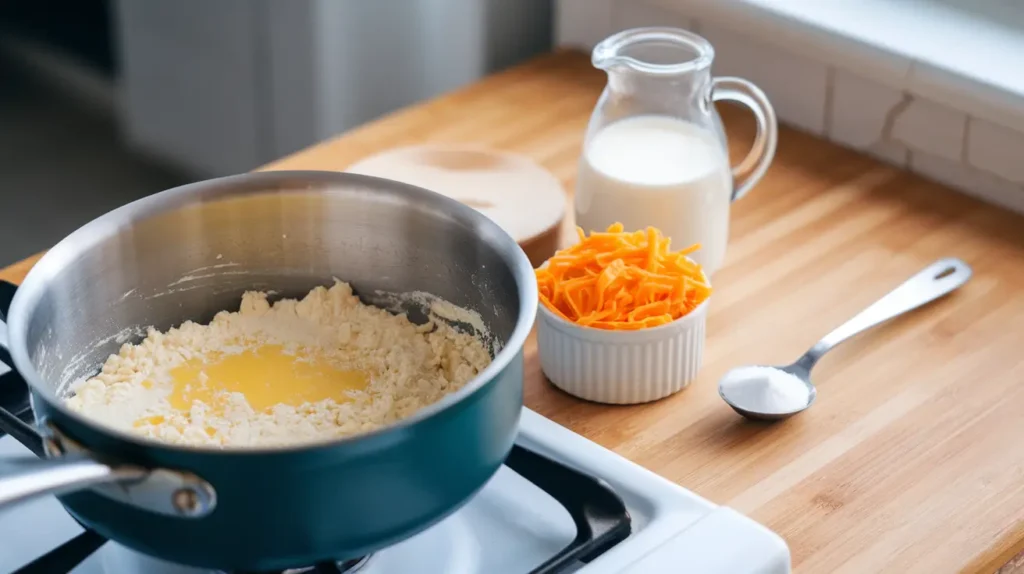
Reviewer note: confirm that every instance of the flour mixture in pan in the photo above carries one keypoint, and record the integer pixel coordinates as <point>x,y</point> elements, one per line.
<point>324,367</point>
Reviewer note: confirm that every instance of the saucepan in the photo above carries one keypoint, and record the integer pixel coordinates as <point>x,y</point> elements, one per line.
<point>192,251</point>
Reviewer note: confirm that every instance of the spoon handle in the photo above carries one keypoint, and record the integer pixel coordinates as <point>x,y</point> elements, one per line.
<point>938,279</point>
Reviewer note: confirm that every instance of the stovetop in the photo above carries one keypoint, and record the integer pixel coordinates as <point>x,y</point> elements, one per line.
<point>513,525</point>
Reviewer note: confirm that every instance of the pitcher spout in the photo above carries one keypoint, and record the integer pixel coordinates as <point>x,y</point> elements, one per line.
<point>654,50</point>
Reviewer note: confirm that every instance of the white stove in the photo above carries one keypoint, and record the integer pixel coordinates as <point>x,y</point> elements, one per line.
<point>511,526</point>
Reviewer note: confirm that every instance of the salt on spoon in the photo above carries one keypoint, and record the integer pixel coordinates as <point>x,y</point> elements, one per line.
<point>772,393</point>
<point>765,389</point>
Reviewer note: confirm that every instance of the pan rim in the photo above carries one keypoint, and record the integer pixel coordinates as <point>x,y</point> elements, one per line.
<point>30,290</point>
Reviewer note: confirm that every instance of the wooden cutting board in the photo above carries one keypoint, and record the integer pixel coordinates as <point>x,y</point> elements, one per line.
<point>912,459</point>
<point>513,190</point>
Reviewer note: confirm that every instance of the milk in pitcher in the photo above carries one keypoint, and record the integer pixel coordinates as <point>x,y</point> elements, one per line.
<point>660,171</point>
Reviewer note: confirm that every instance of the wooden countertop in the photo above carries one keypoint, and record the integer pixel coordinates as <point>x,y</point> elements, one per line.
<point>912,459</point>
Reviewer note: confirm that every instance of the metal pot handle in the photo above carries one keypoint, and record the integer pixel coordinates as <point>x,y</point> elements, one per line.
<point>26,478</point>
<point>71,468</point>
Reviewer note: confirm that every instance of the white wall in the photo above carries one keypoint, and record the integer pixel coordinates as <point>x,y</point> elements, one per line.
<point>189,82</point>
<point>222,87</point>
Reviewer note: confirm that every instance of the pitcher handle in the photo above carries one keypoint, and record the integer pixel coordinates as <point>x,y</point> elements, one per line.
<point>752,168</point>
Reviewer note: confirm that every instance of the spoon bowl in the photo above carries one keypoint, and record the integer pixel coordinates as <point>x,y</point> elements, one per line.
<point>742,388</point>
<point>734,400</point>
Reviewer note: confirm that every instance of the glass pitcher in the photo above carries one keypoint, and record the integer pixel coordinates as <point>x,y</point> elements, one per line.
<point>655,152</point>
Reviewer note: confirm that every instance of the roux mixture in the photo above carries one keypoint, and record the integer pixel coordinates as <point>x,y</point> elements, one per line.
<point>324,367</point>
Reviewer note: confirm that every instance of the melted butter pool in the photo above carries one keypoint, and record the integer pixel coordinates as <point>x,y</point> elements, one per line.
<point>266,376</point>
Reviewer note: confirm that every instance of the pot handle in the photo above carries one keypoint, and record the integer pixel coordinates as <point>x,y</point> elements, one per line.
<point>26,478</point>
<point>71,467</point>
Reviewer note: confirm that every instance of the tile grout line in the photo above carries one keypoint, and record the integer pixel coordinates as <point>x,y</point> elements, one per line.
<point>964,140</point>
<point>830,83</point>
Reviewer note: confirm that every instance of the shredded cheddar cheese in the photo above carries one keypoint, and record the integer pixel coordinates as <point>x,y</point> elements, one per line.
<point>618,280</point>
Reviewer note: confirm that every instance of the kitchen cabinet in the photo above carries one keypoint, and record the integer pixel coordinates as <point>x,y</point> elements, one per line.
<point>222,87</point>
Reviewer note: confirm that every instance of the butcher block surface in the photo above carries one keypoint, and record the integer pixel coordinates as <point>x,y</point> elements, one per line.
<point>912,458</point>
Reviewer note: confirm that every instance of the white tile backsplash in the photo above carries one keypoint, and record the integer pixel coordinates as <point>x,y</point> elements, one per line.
<point>796,85</point>
<point>978,100</point>
<point>860,110</point>
<point>930,127</point>
<point>891,152</point>
<point>996,149</point>
<point>968,180</point>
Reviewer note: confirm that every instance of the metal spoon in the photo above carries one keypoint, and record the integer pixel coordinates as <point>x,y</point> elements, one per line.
<point>938,279</point>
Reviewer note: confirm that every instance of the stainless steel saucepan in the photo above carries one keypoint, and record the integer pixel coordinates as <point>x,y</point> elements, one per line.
<point>190,252</point>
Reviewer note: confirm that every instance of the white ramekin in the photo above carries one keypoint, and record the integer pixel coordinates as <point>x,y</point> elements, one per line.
<point>621,367</point>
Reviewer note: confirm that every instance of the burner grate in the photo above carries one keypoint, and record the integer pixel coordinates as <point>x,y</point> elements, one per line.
<point>601,518</point>
<point>345,567</point>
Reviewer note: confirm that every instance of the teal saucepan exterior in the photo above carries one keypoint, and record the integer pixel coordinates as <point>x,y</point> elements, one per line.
<point>189,252</point>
